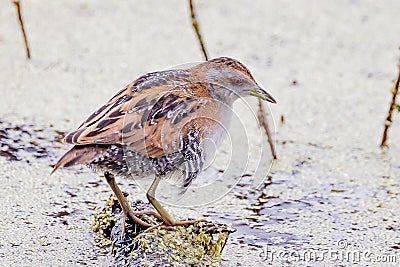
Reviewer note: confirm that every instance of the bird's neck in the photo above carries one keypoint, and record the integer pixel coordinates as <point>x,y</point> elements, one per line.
<point>222,94</point>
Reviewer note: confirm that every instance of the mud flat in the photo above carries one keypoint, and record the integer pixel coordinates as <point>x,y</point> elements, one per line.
<point>329,65</point>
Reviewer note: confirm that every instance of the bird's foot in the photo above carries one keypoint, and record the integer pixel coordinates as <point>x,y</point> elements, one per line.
<point>148,212</point>
<point>133,216</point>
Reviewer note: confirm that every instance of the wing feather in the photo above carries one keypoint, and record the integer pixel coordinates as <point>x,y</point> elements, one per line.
<point>150,115</point>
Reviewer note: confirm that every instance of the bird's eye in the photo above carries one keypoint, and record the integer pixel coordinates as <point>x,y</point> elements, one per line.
<point>237,81</point>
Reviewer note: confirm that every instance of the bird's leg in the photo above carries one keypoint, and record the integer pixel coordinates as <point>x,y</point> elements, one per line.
<point>128,212</point>
<point>151,193</point>
<point>165,216</point>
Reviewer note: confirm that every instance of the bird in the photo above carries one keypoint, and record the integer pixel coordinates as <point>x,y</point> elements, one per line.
<point>156,126</point>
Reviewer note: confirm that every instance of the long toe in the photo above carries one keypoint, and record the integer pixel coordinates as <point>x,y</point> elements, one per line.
<point>135,219</point>
<point>148,212</point>
<point>177,223</point>
<point>188,222</point>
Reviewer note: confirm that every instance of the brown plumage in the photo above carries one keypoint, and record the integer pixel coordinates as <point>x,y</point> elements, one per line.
<point>155,125</point>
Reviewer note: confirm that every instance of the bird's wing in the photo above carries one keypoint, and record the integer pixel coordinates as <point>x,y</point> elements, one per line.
<point>150,117</point>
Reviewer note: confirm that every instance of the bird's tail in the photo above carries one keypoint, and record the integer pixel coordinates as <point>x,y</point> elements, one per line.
<point>80,155</point>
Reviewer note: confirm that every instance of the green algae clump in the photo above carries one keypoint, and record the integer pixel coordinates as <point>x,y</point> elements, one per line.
<point>105,219</point>
<point>198,244</point>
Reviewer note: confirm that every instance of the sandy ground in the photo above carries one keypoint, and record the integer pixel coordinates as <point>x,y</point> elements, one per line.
<point>329,64</point>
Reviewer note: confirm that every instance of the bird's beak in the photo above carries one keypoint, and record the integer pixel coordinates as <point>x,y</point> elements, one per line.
<point>262,94</point>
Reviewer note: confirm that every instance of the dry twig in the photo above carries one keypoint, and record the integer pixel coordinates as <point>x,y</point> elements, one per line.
<point>21,23</point>
<point>392,107</point>
<point>196,28</point>
<point>262,117</point>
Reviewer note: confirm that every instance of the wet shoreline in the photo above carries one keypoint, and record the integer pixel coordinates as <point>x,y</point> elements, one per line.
<point>332,187</point>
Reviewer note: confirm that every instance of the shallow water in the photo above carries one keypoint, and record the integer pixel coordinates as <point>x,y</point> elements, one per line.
<point>331,190</point>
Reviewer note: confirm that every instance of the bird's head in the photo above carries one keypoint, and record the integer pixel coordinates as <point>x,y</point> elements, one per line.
<point>230,79</point>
